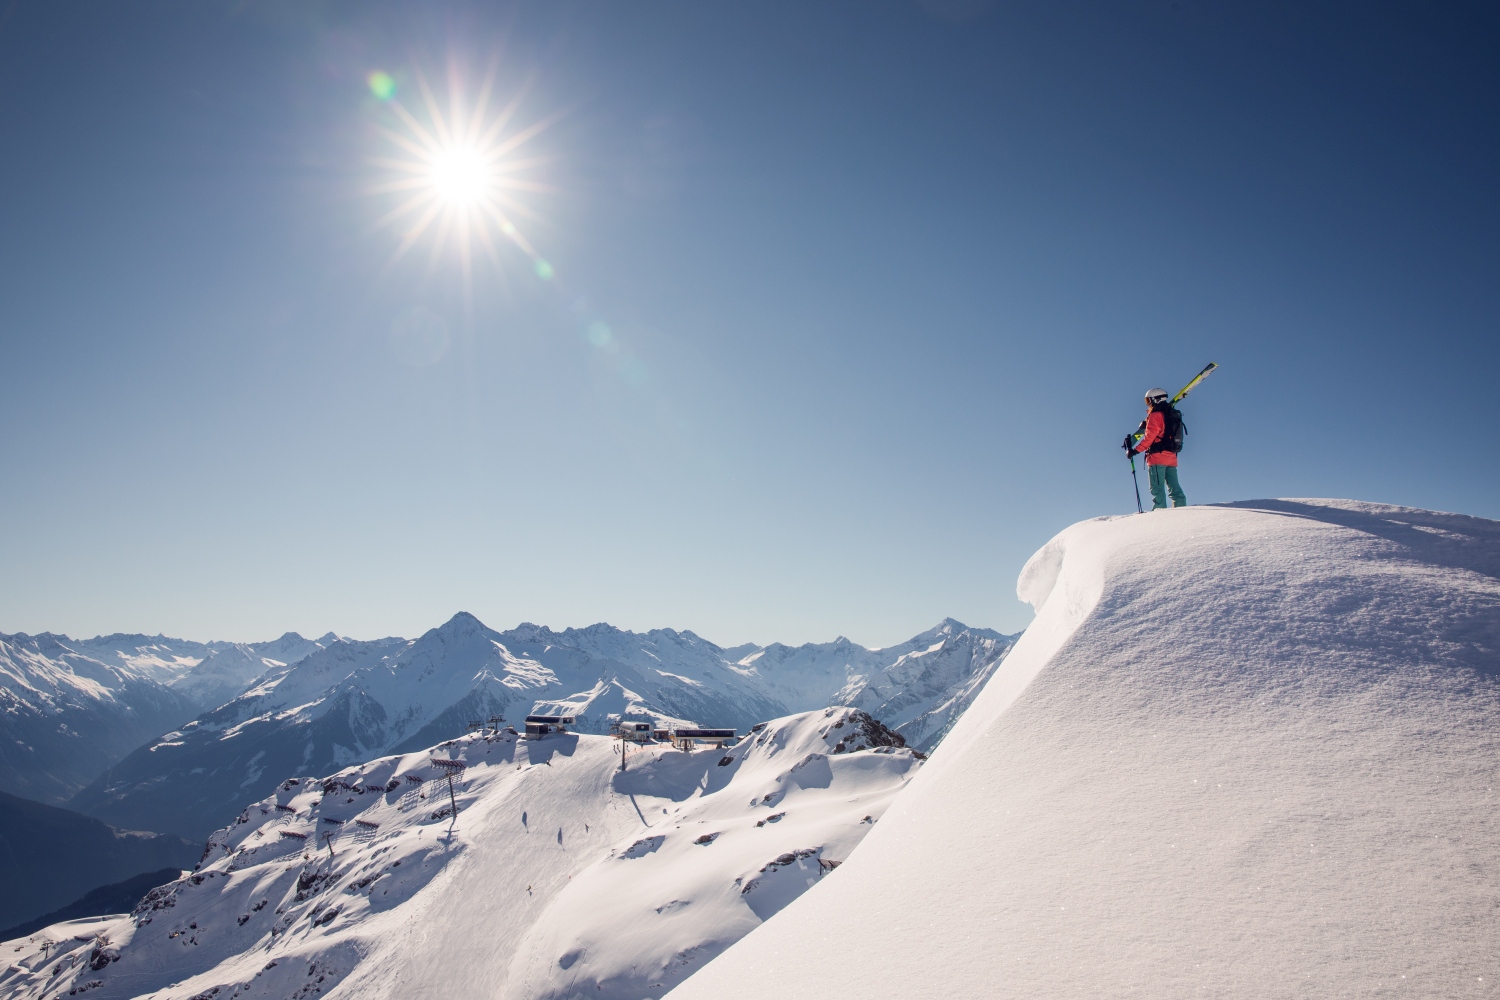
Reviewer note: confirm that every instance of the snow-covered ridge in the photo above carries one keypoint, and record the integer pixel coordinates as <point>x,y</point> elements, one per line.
<point>560,873</point>
<point>1243,750</point>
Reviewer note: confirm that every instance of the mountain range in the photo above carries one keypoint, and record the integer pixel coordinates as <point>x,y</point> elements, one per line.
<point>350,701</point>
<point>71,707</point>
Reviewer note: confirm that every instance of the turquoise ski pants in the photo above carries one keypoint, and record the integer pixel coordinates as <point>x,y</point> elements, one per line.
<point>1164,478</point>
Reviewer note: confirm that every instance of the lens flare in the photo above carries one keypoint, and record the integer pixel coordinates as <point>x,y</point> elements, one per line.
<point>381,85</point>
<point>458,176</point>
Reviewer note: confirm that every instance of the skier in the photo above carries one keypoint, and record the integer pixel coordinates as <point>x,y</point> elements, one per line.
<point>1161,440</point>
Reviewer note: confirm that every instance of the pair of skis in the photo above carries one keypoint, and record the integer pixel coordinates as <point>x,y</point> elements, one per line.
<point>1132,438</point>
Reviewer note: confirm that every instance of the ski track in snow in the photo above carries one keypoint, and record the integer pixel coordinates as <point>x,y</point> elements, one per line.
<point>1247,750</point>
<point>560,873</point>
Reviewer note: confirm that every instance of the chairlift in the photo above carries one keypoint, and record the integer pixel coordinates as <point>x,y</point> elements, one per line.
<point>449,769</point>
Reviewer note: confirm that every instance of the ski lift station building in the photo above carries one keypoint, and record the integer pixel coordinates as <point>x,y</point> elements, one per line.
<point>538,726</point>
<point>683,738</point>
<point>686,739</point>
<point>637,732</point>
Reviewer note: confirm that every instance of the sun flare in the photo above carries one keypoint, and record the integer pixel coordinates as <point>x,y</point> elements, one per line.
<point>458,176</point>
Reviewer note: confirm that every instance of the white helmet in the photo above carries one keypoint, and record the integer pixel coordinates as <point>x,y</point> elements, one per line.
<point>1156,396</point>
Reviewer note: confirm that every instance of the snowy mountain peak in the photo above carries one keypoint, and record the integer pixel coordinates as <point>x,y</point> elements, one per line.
<point>948,628</point>
<point>123,638</point>
<point>462,623</point>
<point>531,632</point>
<point>43,642</point>
<point>596,629</point>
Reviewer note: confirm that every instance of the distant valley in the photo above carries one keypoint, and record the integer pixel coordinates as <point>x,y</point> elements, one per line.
<point>49,857</point>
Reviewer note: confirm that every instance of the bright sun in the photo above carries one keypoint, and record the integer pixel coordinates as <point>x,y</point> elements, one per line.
<point>458,174</point>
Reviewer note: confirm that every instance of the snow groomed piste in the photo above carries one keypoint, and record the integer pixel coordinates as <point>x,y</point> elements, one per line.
<point>1247,750</point>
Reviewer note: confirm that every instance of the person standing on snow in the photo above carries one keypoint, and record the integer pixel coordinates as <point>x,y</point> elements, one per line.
<point>1161,439</point>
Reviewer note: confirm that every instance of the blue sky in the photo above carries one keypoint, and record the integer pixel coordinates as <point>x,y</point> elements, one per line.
<point>849,307</point>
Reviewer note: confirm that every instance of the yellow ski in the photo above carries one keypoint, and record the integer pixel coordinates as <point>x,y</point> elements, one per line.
<point>1196,379</point>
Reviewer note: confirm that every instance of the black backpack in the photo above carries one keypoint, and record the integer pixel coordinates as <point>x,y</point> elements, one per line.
<point>1173,430</point>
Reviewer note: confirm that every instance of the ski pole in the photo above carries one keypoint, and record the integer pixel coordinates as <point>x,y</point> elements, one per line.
<point>1130,453</point>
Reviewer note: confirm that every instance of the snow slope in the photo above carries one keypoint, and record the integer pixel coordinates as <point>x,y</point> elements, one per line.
<point>354,701</point>
<point>1247,750</point>
<point>560,875</point>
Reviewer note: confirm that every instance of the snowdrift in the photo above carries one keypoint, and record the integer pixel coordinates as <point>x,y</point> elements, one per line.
<point>560,873</point>
<point>1246,750</point>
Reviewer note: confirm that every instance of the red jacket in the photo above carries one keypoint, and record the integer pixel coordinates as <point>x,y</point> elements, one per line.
<point>1155,424</point>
